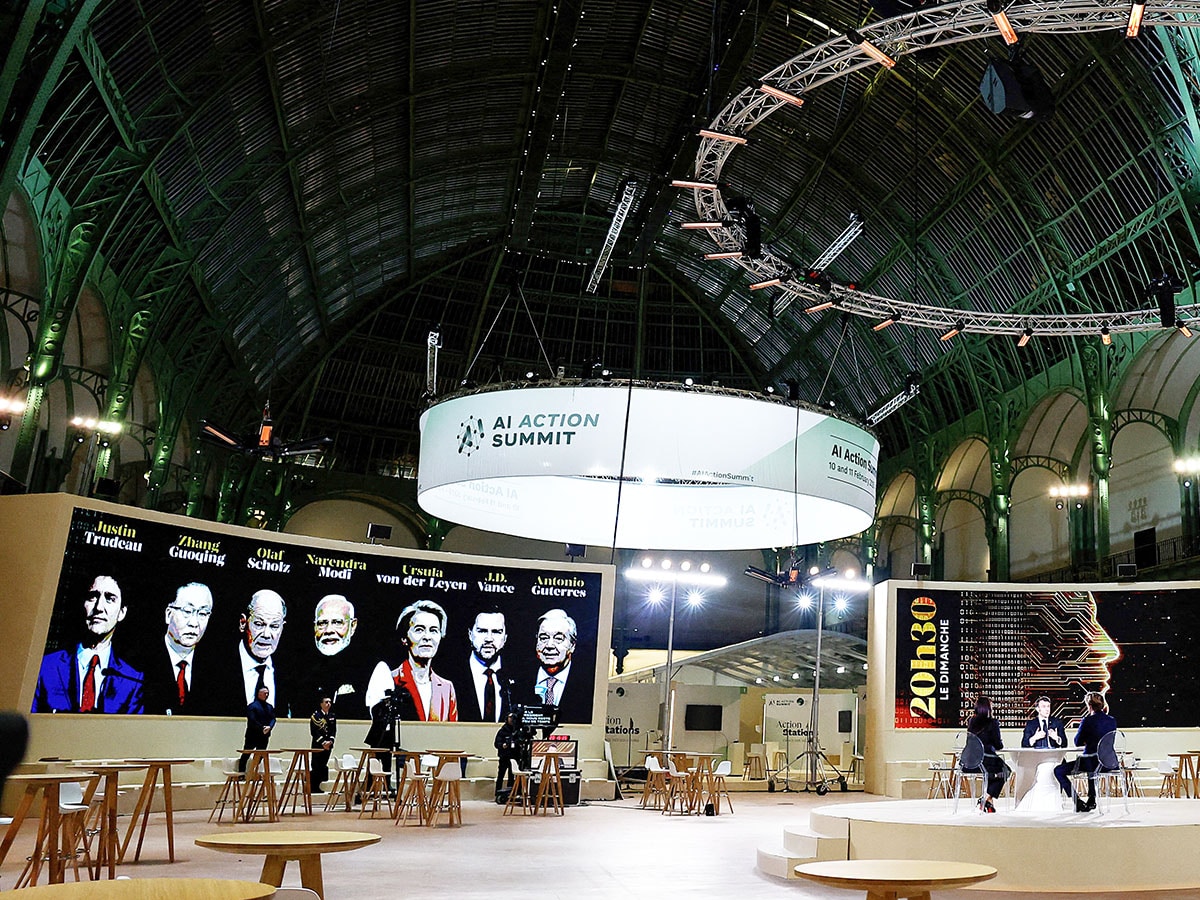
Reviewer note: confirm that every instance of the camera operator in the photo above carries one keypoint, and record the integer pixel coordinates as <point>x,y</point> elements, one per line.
<point>515,742</point>
<point>385,730</point>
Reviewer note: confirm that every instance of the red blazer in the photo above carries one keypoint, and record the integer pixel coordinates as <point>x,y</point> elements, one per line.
<point>443,703</point>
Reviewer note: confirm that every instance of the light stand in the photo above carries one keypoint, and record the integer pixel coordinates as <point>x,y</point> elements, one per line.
<point>816,763</point>
<point>669,728</point>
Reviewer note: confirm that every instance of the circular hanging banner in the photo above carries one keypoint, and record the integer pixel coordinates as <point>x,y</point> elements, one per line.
<point>672,467</point>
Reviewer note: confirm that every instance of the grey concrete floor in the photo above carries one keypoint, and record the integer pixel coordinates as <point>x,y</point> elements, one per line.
<point>601,850</point>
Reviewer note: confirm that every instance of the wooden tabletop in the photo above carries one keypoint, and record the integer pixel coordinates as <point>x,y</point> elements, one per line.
<point>48,778</point>
<point>155,889</point>
<point>291,843</point>
<point>896,874</point>
<point>156,761</point>
<point>107,766</point>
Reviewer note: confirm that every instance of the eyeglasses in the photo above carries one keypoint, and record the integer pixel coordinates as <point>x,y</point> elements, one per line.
<point>191,612</point>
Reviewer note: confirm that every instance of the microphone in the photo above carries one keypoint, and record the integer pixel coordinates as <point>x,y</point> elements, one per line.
<point>108,670</point>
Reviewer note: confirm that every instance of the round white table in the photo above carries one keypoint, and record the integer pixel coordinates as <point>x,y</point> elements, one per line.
<point>1035,788</point>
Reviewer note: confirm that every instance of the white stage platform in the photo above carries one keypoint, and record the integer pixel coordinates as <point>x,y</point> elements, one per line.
<point>1153,846</point>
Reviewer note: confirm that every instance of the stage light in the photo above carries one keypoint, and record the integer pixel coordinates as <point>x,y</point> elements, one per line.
<point>781,95</point>
<point>841,604</point>
<point>724,254</point>
<point>953,332</point>
<point>1183,328</point>
<point>804,602</point>
<point>1136,12</point>
<point>647,562</point>
<point>870,49</point>
<point>705,567</point>
<point>1025,337</point>
<point>697,185</point>
<point>1106,336</point>
<point>820,307</point>
<point>655,596</point>
<point>702,226</point>
<point>719,136</point>
<point>694,599</point>
<point>996,8</point>
<point>892,319</point>
<point>841,670</point>
<point>666,563</point>
<point>774,677</point>
<point>770,282</point>
<point>758,681</point>
<point>685,565</point>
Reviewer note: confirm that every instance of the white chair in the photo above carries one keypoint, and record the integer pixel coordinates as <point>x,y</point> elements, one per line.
<point>446,795</point>
<point>1170,783</point>
<point>295,893</point>
<point>1110,774</point>
<point>413,802</point>
<point>521,793</point>
<point>343,781</point>
<point>72,840</point>
<point>969,768</point>
<point>654,793</point>
<point>719,788</point>
<point>679,790</point>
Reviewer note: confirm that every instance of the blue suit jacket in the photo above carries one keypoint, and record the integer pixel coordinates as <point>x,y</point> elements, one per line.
<point>58,686</point>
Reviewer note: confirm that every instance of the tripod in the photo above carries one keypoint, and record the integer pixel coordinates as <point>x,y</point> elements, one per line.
<point>815,760</point>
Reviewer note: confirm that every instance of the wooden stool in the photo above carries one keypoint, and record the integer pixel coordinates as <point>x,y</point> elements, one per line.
<point>719,788</point>
<point>73,806</point>
<point>231,791</point>
<point>343,781</point>
<point>446,796</point>
<point>755,767</point>
<point>654,793</point>
<point>377,789</point>
<point>413,803</point>
<point>522,779</point>
<point>550,792</point>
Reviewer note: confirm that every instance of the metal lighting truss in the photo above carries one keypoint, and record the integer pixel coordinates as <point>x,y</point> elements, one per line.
<point>614,230</point>
<point>931,26</point>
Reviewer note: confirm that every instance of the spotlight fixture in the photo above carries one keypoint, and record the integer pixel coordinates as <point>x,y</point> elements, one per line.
<point>701,226</point>
<point>892,319</point>
<point>724,254</point>
<point>697,185</point>
<point>1106,336</point>
<point>954,331</point>
<point>5,422</point>
<point>775,92</point>
<point>770,282</point>
<point>819,307</point>
<point>1183,328</point>
<point>870,49</point>
<point>1136,12</point>
<point>720,136</point>
<point>1025,337</point>
<point>996,8</point>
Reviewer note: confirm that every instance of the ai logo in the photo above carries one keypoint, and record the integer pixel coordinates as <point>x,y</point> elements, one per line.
<point>470,435</point>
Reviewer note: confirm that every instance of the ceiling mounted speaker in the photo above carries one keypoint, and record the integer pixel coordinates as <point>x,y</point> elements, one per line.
<point>921,570</point>
<point>1016,88</point>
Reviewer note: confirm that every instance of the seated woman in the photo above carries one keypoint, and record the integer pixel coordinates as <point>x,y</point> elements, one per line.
<point>987,729</point>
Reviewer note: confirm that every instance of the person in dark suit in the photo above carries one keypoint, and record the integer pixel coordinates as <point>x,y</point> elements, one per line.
<point>1043,730</point>
<point>1096,723</point>
<point>484,684</point>
<point>558,681</point>
<point>253,664</point>
<point>172,687</point>
<point>260,720</point>
<point>987,729</point>
<point>322,728</point>
<point>91,678</point>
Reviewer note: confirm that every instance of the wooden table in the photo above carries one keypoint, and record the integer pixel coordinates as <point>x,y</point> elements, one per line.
<point>550,792</point>
<point>259,786</point>
<point>109,849</point>
<point>1185,783</point>
<point>155,889</point>
<point>297,786</point>
<point>889,879</point>
<point>155,768</point>
<point>280,847</point>
<point>47,785</point>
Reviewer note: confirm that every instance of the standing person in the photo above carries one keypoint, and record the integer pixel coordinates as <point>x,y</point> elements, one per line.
<point>1095,724</point>
<point>172,687</point>
<point>322,727</point>
<point>91,678</point>
<point>260,720</point>
<point>489,698</point>
<point>1044,730</point>
<point>987,729</point>
<point>420,693</point>
<point>508,742</point>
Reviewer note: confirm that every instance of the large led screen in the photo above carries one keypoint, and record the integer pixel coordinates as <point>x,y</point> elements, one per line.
<point>1137,647</point>
<point>453,641</point>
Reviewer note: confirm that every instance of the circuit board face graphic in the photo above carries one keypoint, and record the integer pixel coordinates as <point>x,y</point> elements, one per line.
<point>1136,647</point>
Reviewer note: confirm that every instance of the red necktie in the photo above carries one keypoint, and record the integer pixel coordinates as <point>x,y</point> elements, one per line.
<point>489,698</point>
<point>88,703</point>
<point>181,682</point>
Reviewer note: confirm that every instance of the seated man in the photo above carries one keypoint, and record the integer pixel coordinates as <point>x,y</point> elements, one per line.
<point>1095,724</point>
<point>1044,730</point>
